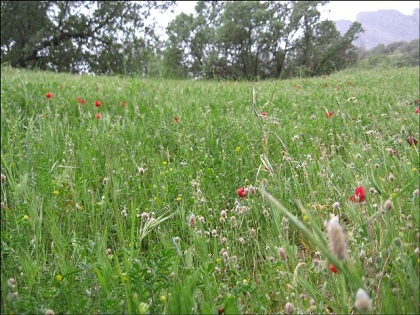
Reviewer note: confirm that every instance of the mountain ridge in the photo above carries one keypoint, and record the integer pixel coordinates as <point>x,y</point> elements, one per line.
<point>383,27</point>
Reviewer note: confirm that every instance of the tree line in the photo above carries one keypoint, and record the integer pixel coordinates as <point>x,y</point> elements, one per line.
<point>220,40</point>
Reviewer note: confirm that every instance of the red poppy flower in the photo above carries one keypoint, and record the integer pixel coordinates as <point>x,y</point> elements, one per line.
<point>176,119</point>
<point>80,100</point>
<point>49,95</point>
<point>263,114</point>
<point>417,110</point>
<point>98,103</point>
<point>412,141</point>
<point>122,104</point>
<point>359,195</point>
<point>333,268</point>
<point>329,114</point>
<point>242,192</point>
<point>98,115</point>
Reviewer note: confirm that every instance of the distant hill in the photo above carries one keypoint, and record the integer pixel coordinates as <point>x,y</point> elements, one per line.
<point>383,27</point>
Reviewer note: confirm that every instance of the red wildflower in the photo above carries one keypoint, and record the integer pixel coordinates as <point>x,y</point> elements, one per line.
<point>417,110</point>
<point>49,95</point>
<point>333,268</point>
<point>98,115</point>
<point>242,192</point>
<point>329,114</point>
<point>122,104</point>
<point>98,103</point>
<point>412,141</point>
<point>359,195</point>
<point>176,119</point>
<point>80,100</point>
<point>263,114</point>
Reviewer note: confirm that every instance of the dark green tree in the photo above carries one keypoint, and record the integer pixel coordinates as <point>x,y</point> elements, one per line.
<point>98,36</point>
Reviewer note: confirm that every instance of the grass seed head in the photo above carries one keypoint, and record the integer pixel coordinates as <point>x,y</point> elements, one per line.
<point>337,238</point>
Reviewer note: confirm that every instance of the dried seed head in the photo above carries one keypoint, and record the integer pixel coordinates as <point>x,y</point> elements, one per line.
<point>363,302</point>
<point>289,308</point>
<point>11,283</point>
<point>192,221</point>
<point>282,254</point>
<point>3,178</point>
<point>49,312</point>
<point>388,205</point>
<point>337,238</point>
<point>416,193</point>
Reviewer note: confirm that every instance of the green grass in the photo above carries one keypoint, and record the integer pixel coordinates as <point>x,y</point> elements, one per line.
<point>97,213</point>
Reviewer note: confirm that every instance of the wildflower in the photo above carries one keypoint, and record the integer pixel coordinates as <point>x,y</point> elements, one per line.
<point>162,298</point>
<point>359,195</point>
<point>49,95</point>
<point>98,115</point>
<point>245,281</point>
<point>98,103</point>
<point>363,302</point>
<point>336,205</point>
<point>263,114</point>
<point>81,100</point>
<point>122,104</point>
<point>220,310</point>
<point>329,114</point>
<point>242,192</point>
<point>25,217</point>
<point>238,149</point>
<point>176,119</point>
<point>337,238</point>
<point>333,268</point>
<point>289,308</point>
<point>59,277</point>
<point>412,141</point>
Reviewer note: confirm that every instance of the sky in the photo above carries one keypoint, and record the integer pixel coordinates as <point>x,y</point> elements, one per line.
<point>339,10</point>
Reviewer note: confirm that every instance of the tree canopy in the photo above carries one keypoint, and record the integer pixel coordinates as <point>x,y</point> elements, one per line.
<point>96,36</point>
<point>221,39</point>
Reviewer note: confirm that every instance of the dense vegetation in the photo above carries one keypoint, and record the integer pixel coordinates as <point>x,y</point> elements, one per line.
<point>223,39</point>
<point>139,196</point>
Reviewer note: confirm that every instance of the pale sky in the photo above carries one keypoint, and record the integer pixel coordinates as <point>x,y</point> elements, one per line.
<point>340,10</point>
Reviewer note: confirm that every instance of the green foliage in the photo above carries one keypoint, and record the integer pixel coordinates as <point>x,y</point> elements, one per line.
<point>102,37</point>
<point>136,210</point>
<point>258,39</point>
<point>394,55</point>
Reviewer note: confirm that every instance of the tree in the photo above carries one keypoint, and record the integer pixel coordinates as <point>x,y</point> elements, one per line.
<point>99,36</point>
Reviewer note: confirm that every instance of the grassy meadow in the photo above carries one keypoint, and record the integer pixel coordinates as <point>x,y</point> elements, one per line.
<point>141,196</point>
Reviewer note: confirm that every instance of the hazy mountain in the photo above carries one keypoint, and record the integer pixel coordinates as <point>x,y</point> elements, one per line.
<point>383,27</point>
